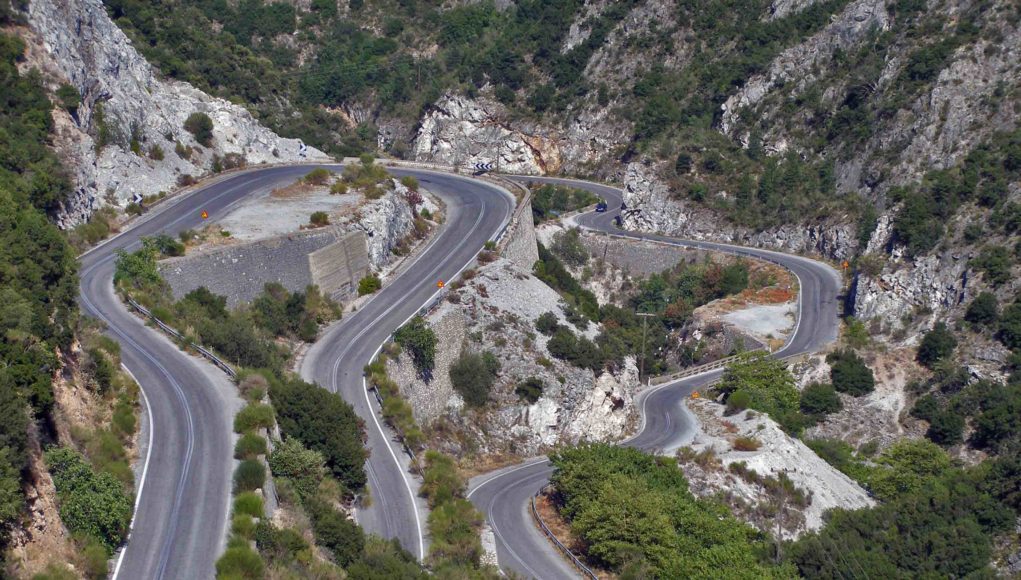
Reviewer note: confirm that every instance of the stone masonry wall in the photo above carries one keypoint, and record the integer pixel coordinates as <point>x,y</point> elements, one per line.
<point>521,248</point>
<point>639,258</point>
<point>240,272</point>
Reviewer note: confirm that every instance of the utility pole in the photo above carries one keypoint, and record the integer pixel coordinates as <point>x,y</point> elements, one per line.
<point>645,328</point>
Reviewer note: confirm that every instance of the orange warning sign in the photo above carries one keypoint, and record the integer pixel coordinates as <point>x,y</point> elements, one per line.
<point>845,265</point>
<point>440,284</point>
<point>695,395</point>
<point>204,214</point>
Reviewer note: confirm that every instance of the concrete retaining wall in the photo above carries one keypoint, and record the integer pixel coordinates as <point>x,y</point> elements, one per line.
<point>331,258</point>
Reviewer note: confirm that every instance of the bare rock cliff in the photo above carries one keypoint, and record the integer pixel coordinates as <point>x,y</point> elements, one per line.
<point>125,106</point>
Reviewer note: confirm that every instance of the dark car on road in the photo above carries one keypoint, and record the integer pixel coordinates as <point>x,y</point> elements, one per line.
<point>601,206</point>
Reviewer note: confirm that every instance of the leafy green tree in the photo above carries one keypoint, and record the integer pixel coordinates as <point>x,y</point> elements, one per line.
<point>937,345</point>
<point>472,376</point>
<point>946,429</point>
<point>201,126</point>
<point>418,340</point>
<point>325,423</point>
<point>1010,326</point>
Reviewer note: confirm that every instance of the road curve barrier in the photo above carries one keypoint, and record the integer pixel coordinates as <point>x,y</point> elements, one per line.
<point>172,332</point>
<point>585,570</point>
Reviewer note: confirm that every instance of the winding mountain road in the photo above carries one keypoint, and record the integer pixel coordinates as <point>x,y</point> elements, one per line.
<point>666,424</point>
<point>180,522</point>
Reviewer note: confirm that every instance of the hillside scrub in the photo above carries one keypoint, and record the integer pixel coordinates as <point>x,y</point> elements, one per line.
<point>926,501</point>
<point>636,516</point>
<point>672,296</point>
<point>549,201</point>
<point>472,376</point>
<point>94,504</point>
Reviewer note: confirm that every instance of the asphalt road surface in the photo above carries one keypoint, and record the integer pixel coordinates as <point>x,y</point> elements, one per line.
<point>475,212</point>
<point>180,521</point>
<point>666,424</point>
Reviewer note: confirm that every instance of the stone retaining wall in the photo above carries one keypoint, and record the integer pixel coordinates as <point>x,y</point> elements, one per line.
<point>331,258</point>
<point>639,258</point>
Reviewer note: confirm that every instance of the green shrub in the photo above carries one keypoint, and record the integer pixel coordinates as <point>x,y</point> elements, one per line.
<point>767,382</point>
<point>937,344</point>
<point>201,126</point>
<point>995,263</point>
<point>249,503</point>
<point>530,389</point>
<point>819,399</point>
<point>240,563</point>
<point>243,526</point>
<point>738,401</point>
<point>92,504</point>
<point>418,340</point>
<point>249,446</point>
<point>472,376</point>
<point>318,176</point>
<point>249,476</point>
<point>410,182</point>
<point>338,188</point>
<point>279,544</point>
<point>253,416</point>
<point>547,323</point>
<point>319,219</point>
<point>746,444</point>
<point>304,467</point>
<point>369,284</point>
<point>983,310</point>
<point>335,532</point>
<point>850,374</point>
<point>69,97</point>
<point>946,429</point>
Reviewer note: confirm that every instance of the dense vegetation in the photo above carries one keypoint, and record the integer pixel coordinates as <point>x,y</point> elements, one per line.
<point>935,519</point>
<point>38,282</point>
<point>549,201</point>
<point>636,516</point>
<point>670,296</point>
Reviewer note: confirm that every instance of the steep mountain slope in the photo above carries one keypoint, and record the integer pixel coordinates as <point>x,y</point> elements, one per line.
<point>122,130</point>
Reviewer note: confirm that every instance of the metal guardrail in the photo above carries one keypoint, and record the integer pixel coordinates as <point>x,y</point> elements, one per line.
<point>717,364</point>
<point>553,537</point>
<point>173,332</point>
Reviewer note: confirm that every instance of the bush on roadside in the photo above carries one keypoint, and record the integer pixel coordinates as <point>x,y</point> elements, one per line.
<point>304,467</point>
<point>249,476</point>
<point>369,284</point>
<point>252,417</point>
<point>248,503</point>
<point>419,341</point>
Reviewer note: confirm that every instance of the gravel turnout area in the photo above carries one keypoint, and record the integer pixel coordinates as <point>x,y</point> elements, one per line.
<point>764,320</point>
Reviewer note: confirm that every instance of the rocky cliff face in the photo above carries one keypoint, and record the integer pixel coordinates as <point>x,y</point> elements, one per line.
<point>464,132</point>
<point>652,208</point>
<point>125,105</point>
<point>496,311</point>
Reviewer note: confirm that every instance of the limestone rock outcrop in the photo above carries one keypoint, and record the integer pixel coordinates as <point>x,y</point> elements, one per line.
<point>123,138</point>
